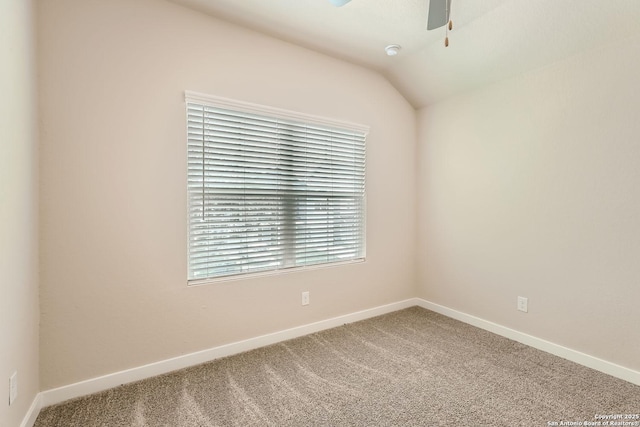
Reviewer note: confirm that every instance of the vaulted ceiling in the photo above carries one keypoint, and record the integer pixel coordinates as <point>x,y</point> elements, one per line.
<point>492,40</point>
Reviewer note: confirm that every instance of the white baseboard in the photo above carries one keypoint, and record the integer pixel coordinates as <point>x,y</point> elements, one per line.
<point>566,353</point>
<point>94,385</point>
<point>30,419</point>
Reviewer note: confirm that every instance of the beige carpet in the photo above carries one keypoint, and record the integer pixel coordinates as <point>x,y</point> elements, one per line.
<point>408,368</point>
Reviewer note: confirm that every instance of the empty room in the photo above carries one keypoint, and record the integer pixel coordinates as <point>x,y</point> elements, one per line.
<point>319,213</point>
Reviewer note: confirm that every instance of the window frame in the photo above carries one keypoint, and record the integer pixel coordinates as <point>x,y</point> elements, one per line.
<point>275,113</point>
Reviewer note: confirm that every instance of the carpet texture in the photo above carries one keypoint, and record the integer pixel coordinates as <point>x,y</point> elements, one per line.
<point>413,367</point>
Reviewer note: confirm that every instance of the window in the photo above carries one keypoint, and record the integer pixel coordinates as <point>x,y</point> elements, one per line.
<point>270,189</point>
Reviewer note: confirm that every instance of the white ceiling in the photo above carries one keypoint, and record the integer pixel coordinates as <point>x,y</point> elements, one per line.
<point>492,39</point>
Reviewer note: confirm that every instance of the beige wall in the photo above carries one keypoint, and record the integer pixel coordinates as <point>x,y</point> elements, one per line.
<point>113,194</point>
<point>531,187</point>
<point>18,210</point>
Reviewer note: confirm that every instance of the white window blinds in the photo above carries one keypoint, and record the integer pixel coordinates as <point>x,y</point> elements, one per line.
<point>268,192</point>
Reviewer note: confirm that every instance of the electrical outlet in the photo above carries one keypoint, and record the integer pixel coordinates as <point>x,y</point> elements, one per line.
<point>13,387</point>
<point>305,298</point>
<point>523,304</point>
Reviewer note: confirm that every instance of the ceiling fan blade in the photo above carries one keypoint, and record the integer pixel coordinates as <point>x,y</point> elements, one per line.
<point>339,3</point>
<point>439,11</point>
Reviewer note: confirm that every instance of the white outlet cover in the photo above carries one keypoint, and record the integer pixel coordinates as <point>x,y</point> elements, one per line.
<point>523,304</point>
<point>305,298</point>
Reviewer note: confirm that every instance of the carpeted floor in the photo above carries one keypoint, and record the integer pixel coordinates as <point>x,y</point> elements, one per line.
<point>408,368</point>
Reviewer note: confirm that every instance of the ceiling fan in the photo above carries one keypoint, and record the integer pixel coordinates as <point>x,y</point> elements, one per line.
<point>439,15</point>
<point>438,12</point>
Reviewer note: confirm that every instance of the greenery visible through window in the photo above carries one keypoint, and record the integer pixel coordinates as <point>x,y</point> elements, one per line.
<point>269,191</point>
